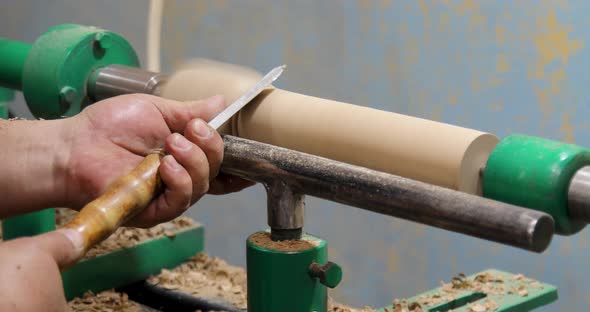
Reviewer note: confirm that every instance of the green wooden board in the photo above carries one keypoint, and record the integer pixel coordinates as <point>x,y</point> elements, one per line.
<point>129,265</point>
<point>507,292</point>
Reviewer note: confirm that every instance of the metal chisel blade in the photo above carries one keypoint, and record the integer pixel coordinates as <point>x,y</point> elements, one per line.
<point>238,104</point>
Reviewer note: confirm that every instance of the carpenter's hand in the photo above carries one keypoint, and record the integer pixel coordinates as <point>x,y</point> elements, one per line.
<point>109,138</point>
<point>30,270</point>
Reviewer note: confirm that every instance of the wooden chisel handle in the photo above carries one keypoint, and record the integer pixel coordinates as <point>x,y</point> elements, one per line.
<point>123,199</point>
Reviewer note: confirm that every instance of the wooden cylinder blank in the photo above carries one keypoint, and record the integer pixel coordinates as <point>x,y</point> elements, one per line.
<point>416,148</point>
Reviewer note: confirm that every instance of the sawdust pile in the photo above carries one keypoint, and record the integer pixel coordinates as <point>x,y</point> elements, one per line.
<point>125,237</point>
<point>210,277</point>
<point>63,216</point>
<point>486,283</point>
<point>263,239</point>
<point>104,301</point>
<point>206,277</point>
<point>337,307</point>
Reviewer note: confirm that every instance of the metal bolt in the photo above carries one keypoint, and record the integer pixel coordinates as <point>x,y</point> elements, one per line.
<point>329,274</point>
<point>103,40</point>
<point>67,96</point>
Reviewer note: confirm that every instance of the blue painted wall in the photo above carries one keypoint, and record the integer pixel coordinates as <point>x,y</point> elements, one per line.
<point>498,66</point>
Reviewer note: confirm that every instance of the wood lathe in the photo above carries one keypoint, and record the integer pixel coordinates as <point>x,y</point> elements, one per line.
<point>515,191</point>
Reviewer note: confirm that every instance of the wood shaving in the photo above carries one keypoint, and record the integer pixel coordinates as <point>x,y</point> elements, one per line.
<point>209,277</point>
<point>478,308</point>
<point>263,239</point>
<point>405,306</point>
<point>206,277</point>
<point>486,283</point>
<point>491,305</point>
<point>337,307</point>
<point>109,300</point>
<point>487,277</point>
<point>126,237</point>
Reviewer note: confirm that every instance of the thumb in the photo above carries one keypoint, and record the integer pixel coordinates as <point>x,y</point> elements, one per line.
<point>64,245</point>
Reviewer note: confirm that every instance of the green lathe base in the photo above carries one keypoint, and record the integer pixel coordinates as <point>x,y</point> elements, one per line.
<point>28,224</point>
<point>129,265</point>
<point>521,295</point>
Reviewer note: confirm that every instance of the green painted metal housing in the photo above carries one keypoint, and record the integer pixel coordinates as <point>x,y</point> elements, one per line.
<point>53,73</point>
<point>535,173</point>
<point>6,96</point>
<point>280,280</point>
<point>28,224</point>
<point>133,264</point>
<point>519,295</point>
<point>13,55</point>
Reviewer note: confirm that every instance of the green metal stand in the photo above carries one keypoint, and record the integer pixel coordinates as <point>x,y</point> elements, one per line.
<point>29,224</point>
<point>508,293</point>
<point>286,280</point>
<point>133,264</point>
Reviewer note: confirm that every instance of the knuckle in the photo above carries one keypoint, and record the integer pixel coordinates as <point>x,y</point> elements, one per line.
<point>184,200</point>
<point>217,145</point>
<point>203,161</point>
<point>202,187</point>
<point>200,164</point>
<point>183,184</point>
<point>138,98</point>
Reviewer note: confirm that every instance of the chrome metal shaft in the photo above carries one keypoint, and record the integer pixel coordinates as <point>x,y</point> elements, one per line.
<point>578,195</point>
<point>116,80</point>
<point>386,194</point>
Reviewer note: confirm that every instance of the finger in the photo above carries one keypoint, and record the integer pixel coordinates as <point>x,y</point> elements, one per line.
<point>224,184</point>
<point>193,159</point>
<point>65,246</point>
<point>177,114</point>
<point>174,201</point>
<point>209,141</point>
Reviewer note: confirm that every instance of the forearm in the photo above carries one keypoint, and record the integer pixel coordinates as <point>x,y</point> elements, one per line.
<point>32,165</point>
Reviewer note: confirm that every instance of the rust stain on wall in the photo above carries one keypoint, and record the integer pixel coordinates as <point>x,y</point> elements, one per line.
<point>502,65</point>
<point>496,107</point>
<point>443,20</point>
<point>463,7</point>
<point>556,79</point>
<point>567,129</point>
<point>554,43</point>
<point>543,101</point>
<point>453,99</point>
<point>500,33</point>
<point>392,260</point>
